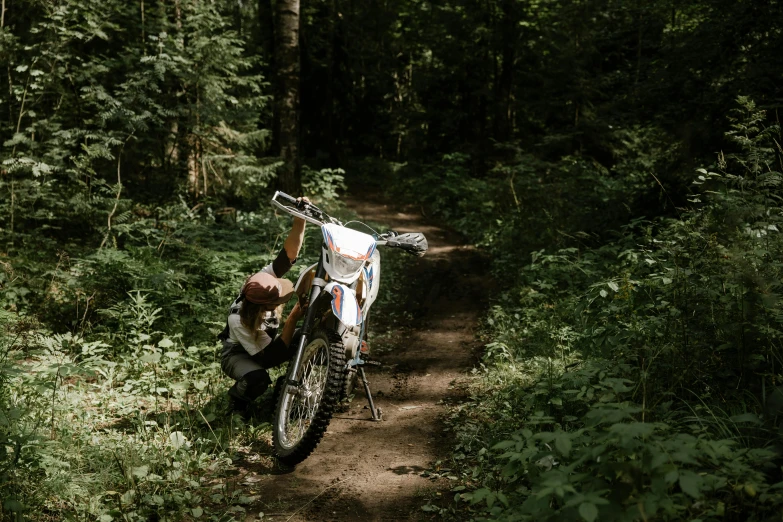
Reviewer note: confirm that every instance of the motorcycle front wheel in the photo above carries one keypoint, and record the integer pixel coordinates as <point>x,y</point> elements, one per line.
<point>304,411</point>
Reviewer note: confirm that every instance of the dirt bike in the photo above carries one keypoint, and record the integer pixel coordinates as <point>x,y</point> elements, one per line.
<point>330,348</point>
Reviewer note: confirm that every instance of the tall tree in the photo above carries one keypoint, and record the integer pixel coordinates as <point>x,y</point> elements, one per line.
<point>287,61</point>
<point>504,83</point>
<point>266,31</point>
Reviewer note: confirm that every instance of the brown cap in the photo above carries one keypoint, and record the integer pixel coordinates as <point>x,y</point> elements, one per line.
<point>264,288</point>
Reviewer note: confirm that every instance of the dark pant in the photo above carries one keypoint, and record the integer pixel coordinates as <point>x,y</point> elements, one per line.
<point>250,371</point>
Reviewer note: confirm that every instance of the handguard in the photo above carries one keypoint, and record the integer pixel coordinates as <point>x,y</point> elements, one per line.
<point>411,242</point>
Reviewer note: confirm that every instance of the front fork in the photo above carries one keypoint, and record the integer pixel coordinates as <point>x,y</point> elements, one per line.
<point>315,290</point>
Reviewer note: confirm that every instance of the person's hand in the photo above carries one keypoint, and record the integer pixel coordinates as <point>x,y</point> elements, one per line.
<point>297,312</point>
<point>297,220</point>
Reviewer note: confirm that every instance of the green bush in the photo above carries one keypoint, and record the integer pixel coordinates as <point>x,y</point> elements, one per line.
<point>636,378</point>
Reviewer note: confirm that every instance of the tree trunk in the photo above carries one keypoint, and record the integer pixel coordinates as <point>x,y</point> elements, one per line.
<point>8,70</point>
<point>266,35</point>
<point>504,85</point>
<point>331,74</point>
<point>287,61</point>
<point>266,32</point>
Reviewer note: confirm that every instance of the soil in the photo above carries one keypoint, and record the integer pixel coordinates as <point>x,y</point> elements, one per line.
<point>365,470</point>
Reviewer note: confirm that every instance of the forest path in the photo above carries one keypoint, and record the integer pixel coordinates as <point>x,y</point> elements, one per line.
<point>364,470</point>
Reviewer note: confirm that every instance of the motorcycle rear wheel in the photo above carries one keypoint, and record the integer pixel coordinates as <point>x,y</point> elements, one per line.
<point>304,412</point>
<point>350,383</point>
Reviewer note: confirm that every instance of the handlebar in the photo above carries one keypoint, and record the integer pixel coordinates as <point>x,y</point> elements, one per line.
<point>301,209</point>
<point>411,242</point>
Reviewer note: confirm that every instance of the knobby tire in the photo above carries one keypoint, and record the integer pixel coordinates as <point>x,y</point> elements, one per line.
<point>350,384</point>
<point>330,397</point>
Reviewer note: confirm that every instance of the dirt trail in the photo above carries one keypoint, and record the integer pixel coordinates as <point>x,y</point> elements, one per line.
<point>365,470</point>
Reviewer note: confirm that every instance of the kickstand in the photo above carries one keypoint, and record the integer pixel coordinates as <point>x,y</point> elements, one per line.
<point>376,412</point>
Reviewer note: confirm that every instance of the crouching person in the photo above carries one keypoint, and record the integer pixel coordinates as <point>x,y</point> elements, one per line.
<point>251,344</point>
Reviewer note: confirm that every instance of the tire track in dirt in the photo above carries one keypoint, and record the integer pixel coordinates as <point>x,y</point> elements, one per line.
<point>364,470</point>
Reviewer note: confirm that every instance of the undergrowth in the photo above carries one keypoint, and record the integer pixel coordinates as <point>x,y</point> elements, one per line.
<point>112,401</point>
<point>630,373</point>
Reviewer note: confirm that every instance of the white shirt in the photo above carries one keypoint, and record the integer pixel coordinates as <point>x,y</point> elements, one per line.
<point>241,334</point>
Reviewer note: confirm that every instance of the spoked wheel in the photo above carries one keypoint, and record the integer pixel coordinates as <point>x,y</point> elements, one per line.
<point>304,411</point>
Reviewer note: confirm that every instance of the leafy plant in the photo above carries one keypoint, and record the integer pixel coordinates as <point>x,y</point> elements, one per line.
<point>605,389</point>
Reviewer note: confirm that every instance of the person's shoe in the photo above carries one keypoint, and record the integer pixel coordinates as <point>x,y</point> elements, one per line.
<point>241,407</point>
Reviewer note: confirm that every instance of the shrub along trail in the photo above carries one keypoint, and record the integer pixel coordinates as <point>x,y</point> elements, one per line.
<point>365,470</point>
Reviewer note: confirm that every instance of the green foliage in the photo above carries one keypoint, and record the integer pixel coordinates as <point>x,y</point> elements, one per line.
<point>124,416</point>
<point>322,185</point>
<point>642,312</point>
<point>169,103</point>
<point>127,463</point>
<point>588,452</point>
<point>11,441</point>
<point>636,378</point>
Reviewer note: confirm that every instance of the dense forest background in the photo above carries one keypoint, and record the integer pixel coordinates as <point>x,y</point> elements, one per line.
<point>619,161</point>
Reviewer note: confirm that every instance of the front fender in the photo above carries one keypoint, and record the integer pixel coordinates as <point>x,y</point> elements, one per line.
<point>344,304</point>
